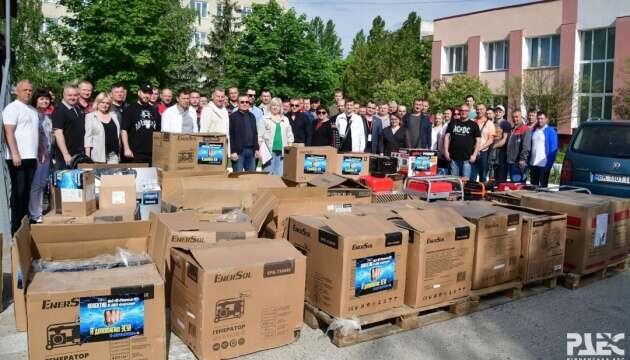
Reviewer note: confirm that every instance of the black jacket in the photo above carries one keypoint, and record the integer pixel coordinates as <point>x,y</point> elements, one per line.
<point>72,122</point>
<point>323,136</point>
<point>394,142</point>
<point>238,122</point>
<point>301,127</point>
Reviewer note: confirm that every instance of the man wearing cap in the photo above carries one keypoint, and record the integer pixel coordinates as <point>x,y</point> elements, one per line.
<point>140,121</point>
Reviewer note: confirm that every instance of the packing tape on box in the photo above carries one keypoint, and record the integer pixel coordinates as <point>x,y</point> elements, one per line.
<point>345,326</point>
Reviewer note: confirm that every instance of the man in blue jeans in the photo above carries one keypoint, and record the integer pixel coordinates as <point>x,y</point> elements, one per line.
<point>461,143</point>
<point>243,137</point>
<point>518,148</point>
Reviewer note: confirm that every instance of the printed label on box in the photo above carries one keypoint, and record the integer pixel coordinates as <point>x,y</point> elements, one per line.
<point>210,154</point>
<point>118,197</point>
<point>314,164</point>
<point>151,198</point>
<point>601,230</point>
<point>374,274</point>
<point>71,195</point>
<point>103,318</point>
<point>351,165</point>
<point>421,163</point>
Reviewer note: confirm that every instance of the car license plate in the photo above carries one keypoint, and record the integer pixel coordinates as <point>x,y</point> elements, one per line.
<point>615,179</point>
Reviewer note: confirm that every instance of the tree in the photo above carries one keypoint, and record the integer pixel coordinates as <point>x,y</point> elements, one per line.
<point>621,102</point>
<point>223,31</point>
<point>108,41</point>
<point>277,50</point>
<point>327,38</point>
<point>403,93</point>
<point>450,93</point>
<point>358,71</point>
<point>35,57</point>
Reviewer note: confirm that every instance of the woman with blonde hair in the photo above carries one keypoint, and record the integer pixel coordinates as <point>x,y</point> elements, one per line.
<point>438,124</point>
<point>102,132</point>
<point>275,131</point>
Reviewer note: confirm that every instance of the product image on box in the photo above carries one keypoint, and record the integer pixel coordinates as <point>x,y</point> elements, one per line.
<point>229,309</point>
<point>374,274</point>
<point>210,153</point>
<point>352,165</point>
<point>104,318</point>
<point>62,335</point>
<point>422,163</point>
<point>71,183</point>
<point>314,164</point>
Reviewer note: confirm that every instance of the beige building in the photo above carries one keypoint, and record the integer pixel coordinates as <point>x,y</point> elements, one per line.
<point>205,10</point>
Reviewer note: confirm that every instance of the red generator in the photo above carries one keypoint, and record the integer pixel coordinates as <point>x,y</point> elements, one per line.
<point>378,184</point>
<point>435,187</point>
<point>510,186</point>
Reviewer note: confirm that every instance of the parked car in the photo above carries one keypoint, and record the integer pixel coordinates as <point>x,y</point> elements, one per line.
<point>598,158</point>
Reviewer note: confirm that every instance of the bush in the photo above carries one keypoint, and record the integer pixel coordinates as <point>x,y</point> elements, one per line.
<point>447,94</point>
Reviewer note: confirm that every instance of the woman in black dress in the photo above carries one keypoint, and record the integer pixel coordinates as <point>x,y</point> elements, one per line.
<point>323,129</point>
<point>394,137</point>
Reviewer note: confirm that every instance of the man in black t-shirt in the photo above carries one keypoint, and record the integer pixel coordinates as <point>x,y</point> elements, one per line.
<point>68,122</point>
<point>140,121</point>
<point>461,144</point>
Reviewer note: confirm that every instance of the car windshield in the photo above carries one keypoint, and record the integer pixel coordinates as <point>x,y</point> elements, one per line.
<point>605,141</point>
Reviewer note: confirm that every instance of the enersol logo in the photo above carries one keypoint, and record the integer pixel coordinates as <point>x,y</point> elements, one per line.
<point>77,356</point>
<point>300,230</point>
<point>435,240</point>
<point>361,246</point>
<point>239,275</point>
<point>49,305</point>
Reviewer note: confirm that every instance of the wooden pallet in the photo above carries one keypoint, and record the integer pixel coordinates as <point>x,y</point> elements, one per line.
<point>387,322</point>
<point>537,287</point>
<point>575,281</point>
<point>495,295</point>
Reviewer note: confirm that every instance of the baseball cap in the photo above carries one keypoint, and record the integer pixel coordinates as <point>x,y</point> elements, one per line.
<point>146,87</point>
<point>500,107</point>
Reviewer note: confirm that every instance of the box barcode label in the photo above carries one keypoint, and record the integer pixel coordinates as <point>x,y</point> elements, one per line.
<point>461,276</point>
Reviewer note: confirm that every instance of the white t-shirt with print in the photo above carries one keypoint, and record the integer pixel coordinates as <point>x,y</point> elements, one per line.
<point>26,121</point>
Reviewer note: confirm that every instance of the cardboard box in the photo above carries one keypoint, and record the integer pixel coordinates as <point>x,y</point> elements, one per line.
<point>440,256</point>
<point>589,239</point>
<point>236,299</point>
<point>302,163</point>
<point>355,265</point>
<point>77,193</point>
<point>272,208</point>
<point>497,242</point>
<point>118,192</point>
<point>148,192</point>
<point>512,197</point>
<point>339,185</point>
<point>67,312</point>
<point>543,242</point>
<point>114,215</point>
<point>54,218</point>
<point>189,151</point>
<point>353,165</point>
<point>19,300</point>
<point>190,230</point>
<point>422,162</point>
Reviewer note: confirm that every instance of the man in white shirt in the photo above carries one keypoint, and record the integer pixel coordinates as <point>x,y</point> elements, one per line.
<point>180,118</point>
<point>21,128</point>
<point>351,129</point>
<point>215,117</point>
<point>265,102</point>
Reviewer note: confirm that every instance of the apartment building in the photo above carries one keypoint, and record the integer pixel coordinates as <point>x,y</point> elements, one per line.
<point>204,9</point>
<point>585,41</point>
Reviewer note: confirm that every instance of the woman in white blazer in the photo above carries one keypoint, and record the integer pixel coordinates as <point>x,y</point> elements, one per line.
<point>102,132</point>
<point>276,134</point>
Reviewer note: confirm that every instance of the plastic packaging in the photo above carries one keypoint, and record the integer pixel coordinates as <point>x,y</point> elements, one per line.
<point>346,326</point>
<point>234,216</point>
<point>122,258</point>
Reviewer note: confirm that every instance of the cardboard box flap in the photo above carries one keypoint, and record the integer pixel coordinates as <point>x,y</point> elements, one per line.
<point>262,209</point>
<point>244,253</point>
<point>432,219</point>
<point>60,241</point>
<point>328,180</point>
<point>352,225</point>
<point>116,279</point>
<point>528,212</point>
<point>118,181</point>
<point>193,221</point>
<point>261,179</point>
<point>22,239</point>
<point>471,211</point>
<point>569,198</point>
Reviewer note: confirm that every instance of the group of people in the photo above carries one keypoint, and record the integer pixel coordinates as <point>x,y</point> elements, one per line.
<point>42,136</point>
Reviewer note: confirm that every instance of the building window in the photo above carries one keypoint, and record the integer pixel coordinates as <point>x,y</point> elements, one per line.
<point>497,55</point>
<point>220,9</point>
<point>596,74</point>
<point>200,38</point>
<point>457,59</point>
<point>544,51</point>
<point>201,8</point>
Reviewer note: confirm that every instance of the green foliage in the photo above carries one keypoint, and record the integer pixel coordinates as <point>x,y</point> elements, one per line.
<point>453,92</point>
<point>110,41</point>
<point>621,101</point>
<point>35,58</point>
<point>224,30</point>
<point>397,56</point>
<point>277,50</point>
<point>326,37</point>
<point>404,92</point>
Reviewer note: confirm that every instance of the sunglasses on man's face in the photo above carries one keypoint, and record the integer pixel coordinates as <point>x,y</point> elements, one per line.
<point>295,105</point>
<point>244,102</point>
<point>251,95</point>
<point>321,113</point>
